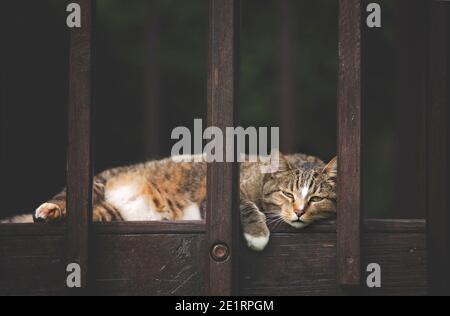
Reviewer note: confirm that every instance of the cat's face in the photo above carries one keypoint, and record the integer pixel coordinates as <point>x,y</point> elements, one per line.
<point>301,196</point>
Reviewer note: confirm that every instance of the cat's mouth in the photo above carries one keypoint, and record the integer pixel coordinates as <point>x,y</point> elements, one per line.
<point>298,223</point>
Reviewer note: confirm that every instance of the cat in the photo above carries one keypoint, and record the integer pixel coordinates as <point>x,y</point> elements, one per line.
<point>300,192</point>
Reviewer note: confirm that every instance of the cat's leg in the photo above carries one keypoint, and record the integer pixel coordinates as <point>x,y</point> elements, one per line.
<point>254,224</point>
<point>55,210</point>
<point>102,211</point>
<point>105,212</point>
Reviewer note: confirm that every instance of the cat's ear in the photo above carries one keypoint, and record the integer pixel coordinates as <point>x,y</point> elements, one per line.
<point>330,170</point>
<point>275,169</point>
<point>284,164</point>
<point>278,163</point>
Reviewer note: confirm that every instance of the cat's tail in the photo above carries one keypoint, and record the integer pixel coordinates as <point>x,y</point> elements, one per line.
<point>20,219</point>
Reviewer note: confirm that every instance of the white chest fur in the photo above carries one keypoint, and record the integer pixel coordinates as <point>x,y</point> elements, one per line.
<point>135,207</point>
<point>131,204</point>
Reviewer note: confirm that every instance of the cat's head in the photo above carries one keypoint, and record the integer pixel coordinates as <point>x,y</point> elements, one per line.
<point>301,196</point>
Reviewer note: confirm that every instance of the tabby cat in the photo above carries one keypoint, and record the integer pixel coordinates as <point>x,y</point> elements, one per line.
<point>301,192</point>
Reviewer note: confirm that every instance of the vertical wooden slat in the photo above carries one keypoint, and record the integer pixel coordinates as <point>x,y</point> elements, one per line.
<point>223,178</point>
<point>151,110</point>
<point>438,217</point>
<point>6,65</point>
<point>79,168</point>
<point>3,128</point>
<point>288,121</point>
<point>349,144</point>
<point>411,104</point>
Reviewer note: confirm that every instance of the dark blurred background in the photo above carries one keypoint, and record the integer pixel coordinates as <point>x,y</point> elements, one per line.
<point>151,62</point>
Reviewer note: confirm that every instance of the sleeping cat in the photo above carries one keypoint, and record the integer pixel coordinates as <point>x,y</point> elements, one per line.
<point>301,192</point>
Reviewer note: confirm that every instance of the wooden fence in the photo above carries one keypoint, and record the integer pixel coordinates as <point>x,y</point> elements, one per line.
<point>198,258</point>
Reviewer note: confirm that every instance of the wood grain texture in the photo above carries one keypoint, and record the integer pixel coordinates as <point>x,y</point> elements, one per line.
<point>186,227</point>
<point>305,264</point>
<point>402,258</point>
<point>437,199</point>
<point>349,144</point>
<point>287,91</point>
<point>32,265</point>
<point>397,226</point>
<point>79,167</point>
<point>223,178</point>
<point>292,264</point>
<point>117,228</point>
<point>32,230</point>
<point>296,262</point>
<point>159,264</point>
<point>3,124</point>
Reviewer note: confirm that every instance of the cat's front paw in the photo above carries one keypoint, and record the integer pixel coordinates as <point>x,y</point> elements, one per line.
<point>257,243</point>
<point>47,212</point>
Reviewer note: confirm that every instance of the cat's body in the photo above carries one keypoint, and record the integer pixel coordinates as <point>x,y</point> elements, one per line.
<point>301,192</point>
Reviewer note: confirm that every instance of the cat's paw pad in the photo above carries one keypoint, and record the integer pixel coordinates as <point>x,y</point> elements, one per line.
<point>257,243</point>
<point>47,212</point>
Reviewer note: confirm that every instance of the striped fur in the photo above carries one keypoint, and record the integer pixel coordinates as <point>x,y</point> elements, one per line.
<point>299,194</point>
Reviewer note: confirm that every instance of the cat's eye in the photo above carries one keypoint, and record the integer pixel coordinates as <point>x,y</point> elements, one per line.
<point>289,195</point>
<point>315,199</point>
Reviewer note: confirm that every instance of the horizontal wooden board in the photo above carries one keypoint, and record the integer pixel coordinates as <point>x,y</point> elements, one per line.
<point>293,264</point>
<point>402,258</point>
<point>370,226</point>
<point>149,264</point>
<point>132,259</point>
<point>32,265</point>
<point>398,226</point>
<point>305,264</point>
<point>32,229</point>
<point>176,227</point>
<point>115,228</point>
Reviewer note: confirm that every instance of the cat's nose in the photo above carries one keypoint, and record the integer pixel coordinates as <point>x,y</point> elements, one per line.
<point>300,213</point>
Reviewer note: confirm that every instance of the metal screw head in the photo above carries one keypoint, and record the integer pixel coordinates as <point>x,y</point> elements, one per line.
<point>220,252</point>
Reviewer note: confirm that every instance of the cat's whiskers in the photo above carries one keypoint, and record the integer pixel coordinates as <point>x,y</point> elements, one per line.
<point>275,223</point>
<point>278,223</point>
<point>273,219</point>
